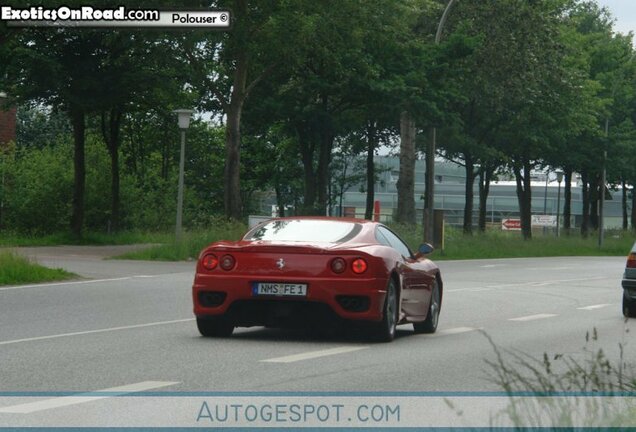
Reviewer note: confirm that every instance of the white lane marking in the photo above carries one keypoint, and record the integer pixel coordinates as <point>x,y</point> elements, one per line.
<point>596,306</point>
<point>493,265</point>
<point>551,268</point>
<point>549,282</point>
<point>55,336</point>
<point>529,284</point>
<point>532,317</point>
<point>31,407</point>
<point>456,330</point>
<point>315,354</point>
<point>470,289</point>
<point>75,282</point>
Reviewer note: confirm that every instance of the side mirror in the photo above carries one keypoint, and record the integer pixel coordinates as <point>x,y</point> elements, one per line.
<point>424,249</point>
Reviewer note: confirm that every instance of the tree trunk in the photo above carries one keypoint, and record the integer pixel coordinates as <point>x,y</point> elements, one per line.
<point>468,192</point>
<point>309,187</point>
<point>633,217</point>
<point>593,191</point>
<point>324,159</point>
<point>624,202</point>
<point>567,201</point>
<point>79,172</point>
<point>3,191</point>
<point>406,182</point>
<point>524,196</point>
<point>232,171</point>
<point>371,145</point>
<point>341,185</point>
<point>428,214</point>
<point>279,201</point>
<point>485,176</point>
<point>110,132</point>
<point>585,205</point>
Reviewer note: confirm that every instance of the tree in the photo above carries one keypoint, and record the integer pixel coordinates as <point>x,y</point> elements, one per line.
<point>533,105</point>
<point>228,66</point>
<point>60,67</point>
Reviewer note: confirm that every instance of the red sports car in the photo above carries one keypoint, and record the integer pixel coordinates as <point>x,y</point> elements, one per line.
<point>303,270</point>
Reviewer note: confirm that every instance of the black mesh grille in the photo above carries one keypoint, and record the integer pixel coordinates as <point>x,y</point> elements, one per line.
<point>353,303</point>
<point>211,298</point>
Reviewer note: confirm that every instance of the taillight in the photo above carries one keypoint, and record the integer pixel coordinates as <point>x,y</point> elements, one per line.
<point>210,261</point>
<point>338,265</point>
<point>359,266</point>
<point>631,260</point>
<point>227,262</point>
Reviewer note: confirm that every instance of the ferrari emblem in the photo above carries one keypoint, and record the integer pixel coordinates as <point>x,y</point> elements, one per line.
<point>280,264</point>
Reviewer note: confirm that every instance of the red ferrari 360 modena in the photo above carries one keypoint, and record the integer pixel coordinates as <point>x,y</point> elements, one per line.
<point>313,270</point>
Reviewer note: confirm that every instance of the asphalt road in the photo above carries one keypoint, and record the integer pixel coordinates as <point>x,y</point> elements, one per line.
<point>132,323</point>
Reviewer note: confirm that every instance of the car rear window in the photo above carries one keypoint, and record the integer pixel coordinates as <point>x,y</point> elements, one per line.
<point>301,230</point>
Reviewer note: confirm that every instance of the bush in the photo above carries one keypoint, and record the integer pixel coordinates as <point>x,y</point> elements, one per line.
<point>37,186</point>
<point>37,189</point>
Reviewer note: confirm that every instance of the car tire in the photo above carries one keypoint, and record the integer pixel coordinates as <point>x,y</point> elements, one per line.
<point>214,327</point>
<point>629,307</point>
<point>385,330</point>
<point>429,325</point>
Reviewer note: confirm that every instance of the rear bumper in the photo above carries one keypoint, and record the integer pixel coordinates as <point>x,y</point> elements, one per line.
<point>232,297</point>
<point>629,285</point>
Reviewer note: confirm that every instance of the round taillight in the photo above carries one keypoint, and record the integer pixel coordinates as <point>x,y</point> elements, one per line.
<point>210,261</point>
<point>227,262</point>
<point>338,265</point>
<point>359,266</point>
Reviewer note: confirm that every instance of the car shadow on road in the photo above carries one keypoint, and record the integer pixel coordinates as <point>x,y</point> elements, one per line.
<point>344,334</point>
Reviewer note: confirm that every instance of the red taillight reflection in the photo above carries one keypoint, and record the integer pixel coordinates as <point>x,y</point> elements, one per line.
<point>227,262</point>
<point>631,260</point>
<point>338,265</point>
<point>359,266</point>
<point>210,261</point>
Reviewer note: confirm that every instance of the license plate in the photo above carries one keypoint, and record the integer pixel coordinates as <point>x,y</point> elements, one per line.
<point>279,289</point>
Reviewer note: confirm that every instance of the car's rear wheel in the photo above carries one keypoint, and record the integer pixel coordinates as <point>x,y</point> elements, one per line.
<point>214,327</point>
<point>629,307</point>
<point>385,330</point>
<point>429,325</point>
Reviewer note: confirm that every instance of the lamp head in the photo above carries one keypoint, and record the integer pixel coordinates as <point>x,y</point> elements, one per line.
<point>183,117</point>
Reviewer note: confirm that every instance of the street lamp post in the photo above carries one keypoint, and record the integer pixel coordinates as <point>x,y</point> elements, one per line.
<point>183,117</point>
<point>559,178</point>
<point>429,204</point>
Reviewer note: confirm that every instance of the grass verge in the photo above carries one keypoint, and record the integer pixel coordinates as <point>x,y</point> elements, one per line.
<point>509,244</point>
<point>15,269</point>
<point>190,245</point>
<point>492,244</point>
<point>90,238</point>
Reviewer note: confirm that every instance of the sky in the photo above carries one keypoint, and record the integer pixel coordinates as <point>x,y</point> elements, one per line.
<point>624,11</point>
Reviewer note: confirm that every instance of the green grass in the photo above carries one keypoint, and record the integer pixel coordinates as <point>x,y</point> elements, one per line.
<point>191,244</point>
<point>510,244</point>
<point>90,238</point>
<point>15,269</point>
<point>492,244</point>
